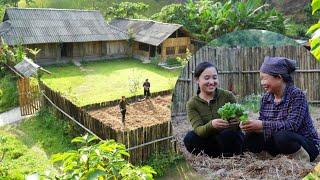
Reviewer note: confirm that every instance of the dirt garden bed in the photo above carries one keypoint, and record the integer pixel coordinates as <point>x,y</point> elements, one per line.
<point>247,166</point>
<point>139,114</point>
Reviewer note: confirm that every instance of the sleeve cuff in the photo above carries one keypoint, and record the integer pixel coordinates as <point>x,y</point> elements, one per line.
<point>210,129</point>
<point>266,129</point>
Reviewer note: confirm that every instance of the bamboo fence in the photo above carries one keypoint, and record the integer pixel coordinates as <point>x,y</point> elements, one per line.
<point>130,138</point>
<point>239,72</point>
<point>29,97</point>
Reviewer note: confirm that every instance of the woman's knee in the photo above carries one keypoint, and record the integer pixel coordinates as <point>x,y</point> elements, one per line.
<point>191,140</point>
<point>287,142</point>
<point>231,141</point>
<point>231,135</point>
<point>254,142</point>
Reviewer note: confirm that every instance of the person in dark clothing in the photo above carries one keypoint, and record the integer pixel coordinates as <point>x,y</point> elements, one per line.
<point>146,89</point>
<point>284,125</point>
<point>123,108</point>
<point>210,133</point>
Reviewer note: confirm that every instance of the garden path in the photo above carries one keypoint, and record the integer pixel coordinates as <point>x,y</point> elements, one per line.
<point>11,116</point>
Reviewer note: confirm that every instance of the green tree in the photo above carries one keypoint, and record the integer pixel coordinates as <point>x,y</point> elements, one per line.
<point>314,30</point>
<point>134,82</point>
<point>13,3</point>
<point>214,18</point>
<point>126,10</point>
<point>2,10</point>
<point>11,54</point>
<point>102,160</point>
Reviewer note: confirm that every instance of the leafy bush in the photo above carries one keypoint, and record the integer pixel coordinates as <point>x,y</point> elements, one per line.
<point>126,10</point>
<point>8,92</point>
<point>95,160</point>
<point>172,62</point>
<point>12,55</point>
<point>161,162</point>
<point>296,30</point>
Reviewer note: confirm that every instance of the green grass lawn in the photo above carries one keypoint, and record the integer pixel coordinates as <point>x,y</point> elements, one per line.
<point>28,146</point>
<point>107,80</point>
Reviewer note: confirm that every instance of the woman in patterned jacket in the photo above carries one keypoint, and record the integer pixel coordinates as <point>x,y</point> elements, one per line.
<point>284,125</point>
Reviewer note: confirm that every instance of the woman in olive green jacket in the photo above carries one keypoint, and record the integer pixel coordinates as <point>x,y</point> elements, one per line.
<point>211,134</point>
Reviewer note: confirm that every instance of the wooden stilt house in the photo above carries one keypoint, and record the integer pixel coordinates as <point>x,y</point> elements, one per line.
<point>63,34</point>
<point>152,38</point>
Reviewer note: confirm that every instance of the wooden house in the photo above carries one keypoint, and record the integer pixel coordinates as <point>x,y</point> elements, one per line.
<point>152,38</point>
<point>63,34</point>
<point>67,34</point>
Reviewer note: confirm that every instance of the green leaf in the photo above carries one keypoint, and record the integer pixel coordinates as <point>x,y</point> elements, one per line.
<point>92,138</point>
<point>315,6</point>
<point>316,53</point>
<point>78,140</point>
<point>148,169</point>
<point>244,117</point>
<point>314,43</point>
<point>95,174</point>
<point>313,28</point>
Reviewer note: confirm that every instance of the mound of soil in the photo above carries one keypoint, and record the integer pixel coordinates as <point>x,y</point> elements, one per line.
<point>139,114</point>
<point>247,166</point>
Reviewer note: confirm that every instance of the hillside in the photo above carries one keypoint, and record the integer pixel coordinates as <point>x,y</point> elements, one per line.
<point>291,8</point>
<point>154,5</point>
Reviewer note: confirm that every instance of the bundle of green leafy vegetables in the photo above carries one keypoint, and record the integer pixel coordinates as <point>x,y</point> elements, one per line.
<point>231,111</point>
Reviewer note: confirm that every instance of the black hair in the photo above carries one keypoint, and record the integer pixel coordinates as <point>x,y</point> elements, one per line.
<point>200,68</point>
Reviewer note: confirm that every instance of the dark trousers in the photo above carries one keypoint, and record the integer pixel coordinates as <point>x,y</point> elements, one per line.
<point>282,142</point>
<point>146,92</point>
<point>226,142</point>
<point>123,112</point>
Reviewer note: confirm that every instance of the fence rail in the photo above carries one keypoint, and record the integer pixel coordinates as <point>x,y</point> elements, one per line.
<point>129,100</point>
<point>239,72</point>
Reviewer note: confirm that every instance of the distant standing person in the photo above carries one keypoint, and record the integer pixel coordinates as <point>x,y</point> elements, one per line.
<point>123,108</point>
<point>146,89</point>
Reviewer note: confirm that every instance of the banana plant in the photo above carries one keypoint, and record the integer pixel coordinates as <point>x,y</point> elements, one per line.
<point>209,19</point>
<point>314,31</point>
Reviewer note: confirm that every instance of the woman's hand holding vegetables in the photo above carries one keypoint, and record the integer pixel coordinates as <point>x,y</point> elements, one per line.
<point>252,125</point>
<point>220,124</point>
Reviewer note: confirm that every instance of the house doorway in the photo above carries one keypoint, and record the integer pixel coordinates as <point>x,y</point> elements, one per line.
<point>152,51</point>
<point>66,50</point>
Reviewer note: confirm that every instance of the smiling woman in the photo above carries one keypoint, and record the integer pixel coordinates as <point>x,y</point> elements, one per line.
<point>285,125</point>
<point>210,133</point>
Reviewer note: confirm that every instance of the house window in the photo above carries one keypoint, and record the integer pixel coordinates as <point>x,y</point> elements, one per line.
<point>169,50</point>
<point>182,49</point>
<point>143,47</point>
